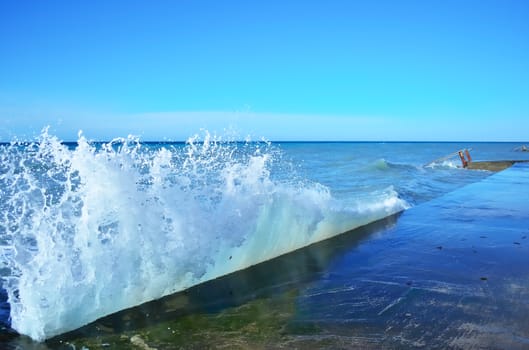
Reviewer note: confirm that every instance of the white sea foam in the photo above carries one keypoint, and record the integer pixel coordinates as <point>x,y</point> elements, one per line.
<point>450,164</point>
<point>89,231</point>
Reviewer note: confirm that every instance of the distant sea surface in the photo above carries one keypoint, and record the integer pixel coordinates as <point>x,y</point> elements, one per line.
<point>89,229</point>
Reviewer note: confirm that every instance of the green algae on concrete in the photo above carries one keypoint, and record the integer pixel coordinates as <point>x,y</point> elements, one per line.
<point>490,166</point>
<point>252,325</point>
<point>498,165</point>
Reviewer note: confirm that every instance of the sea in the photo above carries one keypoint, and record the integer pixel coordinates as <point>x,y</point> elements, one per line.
<point>132,243</point>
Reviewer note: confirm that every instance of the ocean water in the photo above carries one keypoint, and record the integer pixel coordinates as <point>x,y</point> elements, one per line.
<point>89,229</point>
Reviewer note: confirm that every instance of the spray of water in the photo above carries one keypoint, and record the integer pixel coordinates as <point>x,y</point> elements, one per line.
<point>91,230</point>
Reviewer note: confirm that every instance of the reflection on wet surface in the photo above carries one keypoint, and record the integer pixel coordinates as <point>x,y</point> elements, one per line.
<point>452,273</point>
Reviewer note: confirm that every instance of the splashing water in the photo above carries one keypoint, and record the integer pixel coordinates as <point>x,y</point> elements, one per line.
<point>91,230</point>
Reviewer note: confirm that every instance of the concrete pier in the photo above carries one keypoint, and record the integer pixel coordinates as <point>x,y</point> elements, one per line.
<point>452,273</point>
<point>498,165</point>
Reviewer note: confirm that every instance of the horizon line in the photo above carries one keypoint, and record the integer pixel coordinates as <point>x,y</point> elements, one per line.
<point>272,141</point>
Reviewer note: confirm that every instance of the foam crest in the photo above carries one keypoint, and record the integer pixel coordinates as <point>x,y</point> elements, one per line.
<point>446,164</point>
<point>91,230</point>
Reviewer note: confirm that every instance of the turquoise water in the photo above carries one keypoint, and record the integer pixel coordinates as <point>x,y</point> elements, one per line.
<point>91,229</point>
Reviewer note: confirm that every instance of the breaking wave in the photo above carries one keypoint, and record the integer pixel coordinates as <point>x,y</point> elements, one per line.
<point>89,230</point>
<point>446,164</point>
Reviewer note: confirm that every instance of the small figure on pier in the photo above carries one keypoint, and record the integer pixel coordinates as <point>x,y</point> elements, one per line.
<point>465,161</point>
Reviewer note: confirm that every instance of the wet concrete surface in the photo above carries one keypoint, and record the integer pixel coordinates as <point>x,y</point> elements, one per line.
<point>452,273</point>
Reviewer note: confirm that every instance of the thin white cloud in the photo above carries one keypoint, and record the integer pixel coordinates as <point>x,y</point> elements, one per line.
<point>180,125</point>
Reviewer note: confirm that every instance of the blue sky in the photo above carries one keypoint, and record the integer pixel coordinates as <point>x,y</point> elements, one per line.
<point>283,70</point>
